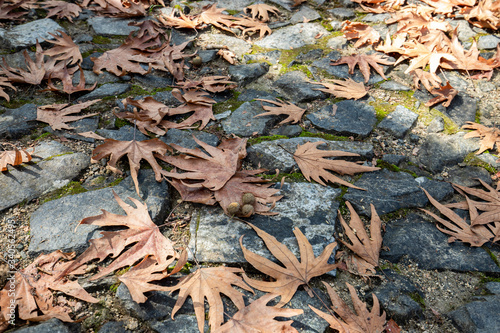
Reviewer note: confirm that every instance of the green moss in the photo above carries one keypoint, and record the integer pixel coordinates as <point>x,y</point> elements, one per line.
<point>231,104</point>
<point>115,182</point>
<point>391,266</point>
<point>119,122</point>
<point>400,213</point>
<point>325,136</point>
<point>253,141</point>
<point>382,109</point>
<point>70,189</point>
<point>53,156</point>
<point>342,206</point>
<point>418,298</point>
<point>295,177</point>
<point>478,117</point>
<point>100,40</point>
<point>472,160</point>
<point>384,165</point>
<point>492,255</point>
<point>485,279</point>
<point>232,11</point>
<point>40,137</point>
<point>15,103</point>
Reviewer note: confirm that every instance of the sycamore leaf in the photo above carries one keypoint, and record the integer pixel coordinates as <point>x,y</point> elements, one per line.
<point>212,169</point>
<point>465,60</point>
<point>5,82</point>
<point>34,285</point>
<point>313,164</point>
<point>287,279</point>
<point>213,15</point>
<point>444,94</point>
<point>149,117</point>
<point>261,11</point>
<point>348,89</point>
<point>456,226</point>
<point>180,22</point>
<point>248,25</point>
<point>293,112</point>
<point>65,48</point>
<point>35,69</point>
<point>214,84</point>
<point>482,15</point>
<point>210,283</point>
<point>194,101</point>
<point>7,10</point>
<point>394,44</point>
<point>364,62</point>
<point>364,33</point>
<point>117,8</point>
<point>67,81</point>
<point>228,55</point>
<point>430,80</point>
<point>62,9</point>
<point>360,321</point>
<point>148,27</point>
<point>258,317</point>
<point>424,56</point>
<point>13,157</point>
<point>366,247</point>
<point>197,194</point>
<point>135,151</point>
<point>57,115</point>
<point>141,238</point>
<point>489,136</point>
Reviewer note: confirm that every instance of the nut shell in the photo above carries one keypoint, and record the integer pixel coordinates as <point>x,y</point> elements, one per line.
<point>248,199</point>
<point>247,210</point>
<point>233,208</point>
<point>196,61</point>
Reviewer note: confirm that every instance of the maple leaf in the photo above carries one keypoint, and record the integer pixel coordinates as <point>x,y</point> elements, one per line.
<point>67,81</point>
<point>228,55</point>
<point>465,60</point>
<point>64,47</point>
<point>7,10</point>
<point>180,22</point>
<point>424,56</point>
<point>35,73</point>
<point>122,60</point>
<point>117,8</point>
<point>62,9</point>
<point>293,112</point>
<point>5,82</point>
<point>364,33</point>
<point>287,279</point>
<point>489,136</point>
<point>445,94</point>
<point>147,28</point>
<point>13,157</point>
<point>349,88</point>
<point>150,116</point>
<point>214,84</point>
<point>212,169</point>
<point>210,283</point>
<point>429,80</point>
<point>57,115</point>
<point>394,44</point>
<point>482,15</point>
<point>313,164</point>
<point>362,321</point>
<point>366,247</point>
<point>191,193</point>
<point>248,25</point>
<point>213,15</point>
<point>33,286</point>
<point>364,62</point>
<point>142,235</point>
<point>258,317</point>
<point>457,228</point>
<point>261,11</point>
<point>135,151</point>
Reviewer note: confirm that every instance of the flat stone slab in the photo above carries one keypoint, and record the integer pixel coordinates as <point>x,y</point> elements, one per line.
<point>106,90</point>
<point>271,156</point>
<point>184,138</point>
<point>242,121</point>
<point>310,207</point>
<point>478,316</point>
<point>304,13</point>
<point>25,35</point>
<point>346,118</point>
<point>294,36</point>
<point>234,44</point>
<point>65,213</point>
<point>296,87</point>
<point>389,191</point>
<point>57,166</point>
<point>14,123</point>
<point>439,151</point>
<point>420,241</point>
<point>399,122</point>
<point>52,325</point>
<point>109,26</point>
<point>245,74</point>
<point>125,133</point>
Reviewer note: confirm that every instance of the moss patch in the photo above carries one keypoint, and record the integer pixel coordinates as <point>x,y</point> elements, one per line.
<point>230,105</point>
<point>472,160</point>
<point>70,189</point>
<point>295,177</point>
<point>15,103</point>
<point>418,298</point>
<point>115,182</point>
<point>382,109</point>
<point>325,136</point>
<point>119,122</point>
<point>253,141</point>
<point>101,40</point>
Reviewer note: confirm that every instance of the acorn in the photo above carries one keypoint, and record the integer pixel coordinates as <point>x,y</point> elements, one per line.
<point>197,61</point>
<point>233,208</point>
<point>248,199</point>
<point>247,210</point>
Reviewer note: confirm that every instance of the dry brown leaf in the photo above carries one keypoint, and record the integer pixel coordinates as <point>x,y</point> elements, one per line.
<point>430,80</point>
<point>482,15</point>
<point>209,284</point>
<point>444,94</point>
<point>313,164</point>
<point>62,9</point>
<point>9,10</point>
<point>13,157</point>
<point>213,15</point>
<point>34,285</point>
<point>251,26</point>
<point>258,317</point>
<point>135,151</point>
<point>391,45</point>
<point>366,247</point>
<point>228,55</point>
<point>212,169</point>
<point>119,8</point>
<point>141,238</point>
<point>64,49</point>
<point>348,89</point>
<point>35,73</point>
<point>147,28</point>
<point>91,135</point>
<point>180,22</point>
<point>287,279</point>
<point>293,112</point>
<point>261,11</point>
<point>423,56</point>
<point>57,115</point>
<point>362,321</point>
<point>149,117</point>
<point>5,83</point>
<point>465,60</point>
<point>457,228</point>
<point>364,62</point>
<point>364,33</point>
<point>191,193</point>
<point>67,81</point>
<point>489,136</point>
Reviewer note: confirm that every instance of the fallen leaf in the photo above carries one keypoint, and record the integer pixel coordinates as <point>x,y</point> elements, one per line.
<point>313,164</point>
<point>261,11</point>
<point>364,62</point>
<point>57,115</point>
<point>62,9</point>
<point>287,279</point>
<point>13,157</point>
<point>445,94</point>
<point>67,81</point>
<point>489,136</point>
<point>430,80</point>
<point>149,117</point>
<point>364,33</point>
<point>258,317</point>
<point>229,56</point>
<point>348,89</point>
<point>64,49</point>
<point>210,283</point>
<point>360,321</point>
<point>5,82</point>
<point>293,112</point>
<point>135,151</point>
